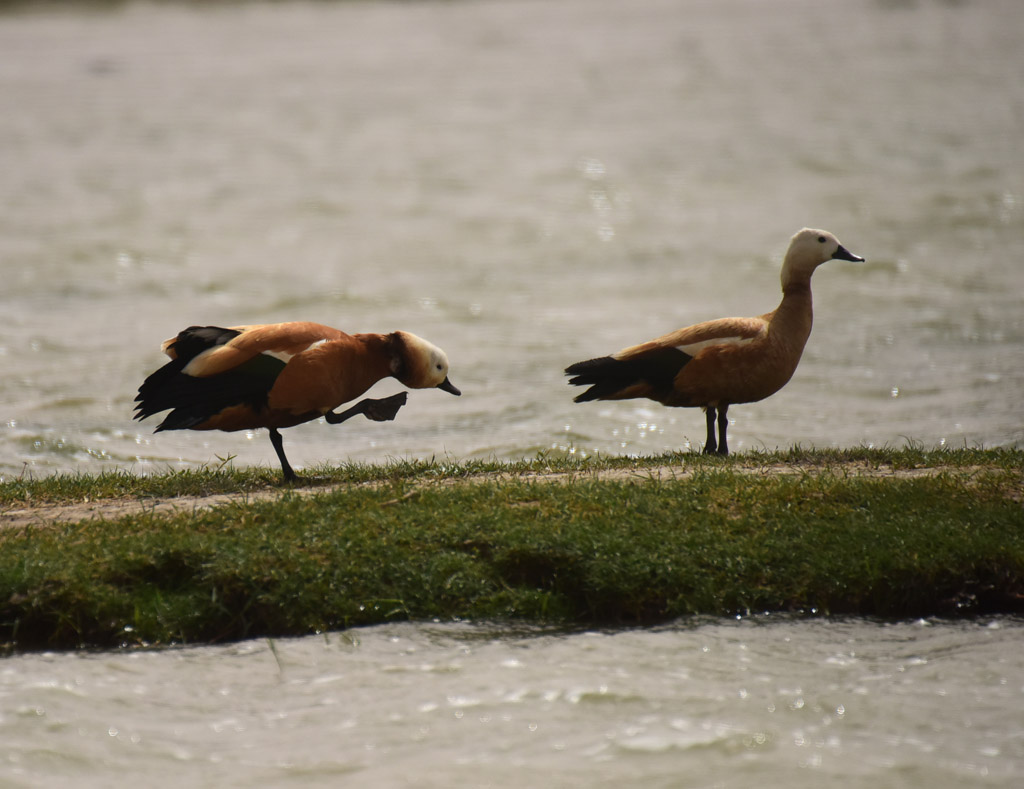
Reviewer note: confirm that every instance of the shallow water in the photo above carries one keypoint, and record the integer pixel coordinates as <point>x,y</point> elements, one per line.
<point>526,184</point>
<point>761,702</point>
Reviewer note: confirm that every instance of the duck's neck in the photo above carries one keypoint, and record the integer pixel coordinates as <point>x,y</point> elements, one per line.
<point>792,319</point>
<point>378,352</point>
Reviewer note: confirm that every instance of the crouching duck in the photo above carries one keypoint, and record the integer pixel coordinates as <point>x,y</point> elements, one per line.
<point>283,374</point>
<point>722,362</point>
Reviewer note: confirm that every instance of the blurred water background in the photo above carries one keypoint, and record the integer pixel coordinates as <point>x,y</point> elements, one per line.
<point>524,183</point>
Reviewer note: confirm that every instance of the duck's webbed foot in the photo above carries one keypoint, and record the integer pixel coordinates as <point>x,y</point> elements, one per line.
<point>386,409</point>
<point>383,410</point>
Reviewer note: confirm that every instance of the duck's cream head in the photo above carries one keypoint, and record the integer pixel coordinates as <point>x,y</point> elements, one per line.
<point>419,364</point>
<point>808,249</point>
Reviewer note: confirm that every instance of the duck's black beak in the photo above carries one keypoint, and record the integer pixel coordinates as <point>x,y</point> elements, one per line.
<point>844,254</point>
<point>448,386</point>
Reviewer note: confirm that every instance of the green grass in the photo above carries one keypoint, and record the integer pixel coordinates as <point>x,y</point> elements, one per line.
<point>70,488</point>
<point>582,553</point>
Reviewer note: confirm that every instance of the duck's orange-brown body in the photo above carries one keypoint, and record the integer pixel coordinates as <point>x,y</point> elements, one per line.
<point>733,360</point>
<point>324,368</point>
<point>282,374</point>
<point>722,362</point>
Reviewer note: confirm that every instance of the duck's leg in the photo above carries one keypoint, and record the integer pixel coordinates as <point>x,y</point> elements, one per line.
<point>376,410</point>
<point>723,425</point>
<point>710,446</point>
<point>278,442</point>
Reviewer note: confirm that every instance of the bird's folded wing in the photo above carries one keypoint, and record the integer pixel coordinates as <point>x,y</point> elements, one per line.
<point>281,341</point>
<point>693,339</point>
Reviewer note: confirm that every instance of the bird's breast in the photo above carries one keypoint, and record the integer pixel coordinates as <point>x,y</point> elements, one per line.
<point>736,373</point>
<point>324,377</point>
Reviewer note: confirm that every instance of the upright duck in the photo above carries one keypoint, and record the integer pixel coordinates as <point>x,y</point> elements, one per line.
<point>721,362</point>
<point>283,374</point>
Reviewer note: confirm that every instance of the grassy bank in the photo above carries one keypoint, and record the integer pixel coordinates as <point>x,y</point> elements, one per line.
<point>824,532</point>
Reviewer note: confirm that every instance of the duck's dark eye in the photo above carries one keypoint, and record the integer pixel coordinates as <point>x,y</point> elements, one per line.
<point>821,239</point>
<point>439,367</point>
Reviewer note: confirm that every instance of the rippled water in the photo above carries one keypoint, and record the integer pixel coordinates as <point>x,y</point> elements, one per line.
<point>762,702</point>
<point>525,183</point>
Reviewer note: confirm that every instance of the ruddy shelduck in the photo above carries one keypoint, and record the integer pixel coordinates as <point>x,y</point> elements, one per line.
<point>283,374</point>
<point>723,362</point>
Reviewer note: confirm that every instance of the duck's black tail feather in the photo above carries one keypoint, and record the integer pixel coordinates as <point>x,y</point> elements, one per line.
<point>194,400</point>
<point>605,376</point>
<point>608,376</point>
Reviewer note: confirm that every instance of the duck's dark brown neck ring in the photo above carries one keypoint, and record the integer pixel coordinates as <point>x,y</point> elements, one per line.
<point>796,289</point>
